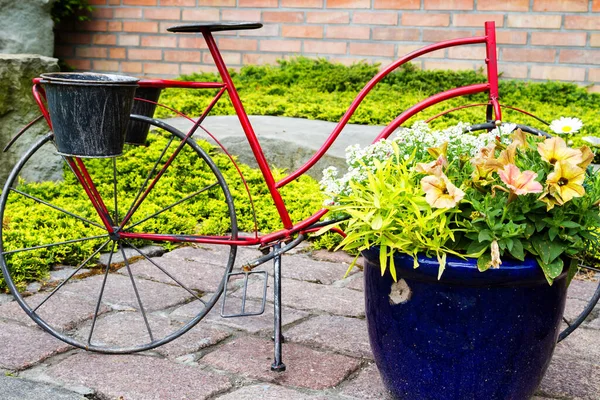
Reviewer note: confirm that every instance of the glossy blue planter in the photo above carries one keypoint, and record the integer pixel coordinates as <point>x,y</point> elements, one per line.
<point>469,336</point>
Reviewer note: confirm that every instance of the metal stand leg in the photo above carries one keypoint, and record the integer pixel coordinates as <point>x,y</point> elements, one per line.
<point>277,365</point>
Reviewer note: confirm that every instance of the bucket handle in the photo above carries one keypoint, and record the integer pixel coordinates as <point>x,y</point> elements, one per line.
<point>40,98</point>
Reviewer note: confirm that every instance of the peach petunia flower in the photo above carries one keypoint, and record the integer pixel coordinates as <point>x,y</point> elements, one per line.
<point>587,155</point>
<point>520,182</point>
<point>555,149</point>
<point>434,168</point>
<point>440,192</point>
<point>566,181</point>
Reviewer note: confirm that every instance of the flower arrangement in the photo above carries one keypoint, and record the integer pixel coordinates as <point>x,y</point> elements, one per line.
<point>499,194</point>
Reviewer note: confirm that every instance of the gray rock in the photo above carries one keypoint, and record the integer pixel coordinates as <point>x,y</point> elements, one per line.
<point>34,287</point>
<point>17,109</point>
<point>131,254</point>
<point>26,27</point>
<point>21,389</point>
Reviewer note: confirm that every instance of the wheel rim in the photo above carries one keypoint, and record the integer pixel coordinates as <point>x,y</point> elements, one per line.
<point>152,288</point>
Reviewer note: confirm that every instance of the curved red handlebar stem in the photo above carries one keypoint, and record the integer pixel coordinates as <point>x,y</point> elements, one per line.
<point>40,97</point>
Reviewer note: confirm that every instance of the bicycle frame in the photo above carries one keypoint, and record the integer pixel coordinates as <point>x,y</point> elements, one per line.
<point>290,229</point>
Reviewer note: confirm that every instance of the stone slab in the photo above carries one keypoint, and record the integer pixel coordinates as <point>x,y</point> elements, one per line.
<point>306,269</point>
<point>130,254</point>
<point>21,389</point>
<point>62,273</point>
<point>582,290</point>
<point>138,377</point>
<point>571,377</point>
<point>583,343</point>
<point>329,332</point>
<point>355,282</point>
<point>269,392</point>
<point>339,256</point>
<point>573,308</point>
<point>366,385</point>
<point>314,297</point>
<point>308,368</point>
<point>23,347</point>
<point>213,254</point>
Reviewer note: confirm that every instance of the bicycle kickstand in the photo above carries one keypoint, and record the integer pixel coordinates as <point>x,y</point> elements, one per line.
<point>277,365</point>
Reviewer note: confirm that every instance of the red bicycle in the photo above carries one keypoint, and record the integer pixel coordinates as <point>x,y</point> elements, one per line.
<point>126,200</point>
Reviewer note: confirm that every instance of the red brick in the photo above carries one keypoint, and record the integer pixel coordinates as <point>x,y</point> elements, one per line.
<point>324,47</point>
<point>594,75</point>
<point>144,54</point>
<point>328,17</point>
<point>266,30</point>
<point>467,52</point>
<point>238,44</point>
<point>437,35</point>
<point>104,39</point>
<point>131,67</point>
<point>182,56</point>
<point>560,5</point>
<point>375,18</point>
<point>115,26</point>
<point>593,89</point>
<point>504,5</point>
<point>121,12</point>
<point>162,13</point>
<point>398,4</point>
<point>595,5</point>
<point>117,52</point>
<point>448,65</point>
<point>409,48</point>
<point>595,39</point>
<point>241,15</point>
<point>302,3</point>
<point>98,13</point>
<point>558,38</point>
<point>282,16</point>
<point>510,37</point>
<point>257,3</point>
<point>513,71</point>
<point>477,20</point>
<point>428,19</point>
<point>91,52</point>
<point>449,4</point>
<point>159,41</point>
<point>259,58</point>
<point>180,3</point>
<point>191,42</point>
<point>64,51</point>
<point>79,64</point>
<point>534,21</point>
<point>348,4</point>
<point>348,32</point>
<point>75,38</point>
<point>229,58</point>
<point>98,26</point>
<point>200,15</point>
<point>129,40</point>
<point>286,46</point>
<point>140,26</point>
<point>188,69</point>
<point>579,56</point>
<point>140,2</point>
<point>372,49</point>
<point>105,65</point>
<point>114,2</point>
<point>96,2</point>
<point>528,54</point>
<point>403,34</point>
<point>161,69</point>
<point>219,3</point>
<point>577,22</point>
<point>302,31</point>
<point>557,73</point>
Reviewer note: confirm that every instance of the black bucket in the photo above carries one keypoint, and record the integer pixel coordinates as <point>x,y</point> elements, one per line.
<point>137,131</point>
<point>89,112</point>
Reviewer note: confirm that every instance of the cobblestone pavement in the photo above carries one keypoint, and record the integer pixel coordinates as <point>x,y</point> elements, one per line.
<point>326,350</point>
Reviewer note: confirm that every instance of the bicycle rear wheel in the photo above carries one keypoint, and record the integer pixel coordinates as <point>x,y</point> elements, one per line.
<point>107,293</point>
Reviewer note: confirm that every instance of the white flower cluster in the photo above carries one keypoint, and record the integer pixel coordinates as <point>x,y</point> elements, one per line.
<point>417,140</point>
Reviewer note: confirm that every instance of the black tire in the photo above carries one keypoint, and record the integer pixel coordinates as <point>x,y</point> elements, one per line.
<point>133,305</point>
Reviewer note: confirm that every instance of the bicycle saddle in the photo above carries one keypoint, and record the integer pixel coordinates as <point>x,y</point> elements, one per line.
<point>215,27</point>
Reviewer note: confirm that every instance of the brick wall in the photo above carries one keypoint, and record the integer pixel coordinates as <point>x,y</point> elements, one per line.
<point>538,39</point>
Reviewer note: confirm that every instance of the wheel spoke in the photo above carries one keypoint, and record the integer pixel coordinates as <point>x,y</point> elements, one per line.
<point>71,275</point>
<point>44,246</point>
<point>173,205</point>
<point>166,273</point>
<point>101,294</point>
<point>566,321</point>
<point>38,200</point>
<point>137,295</point>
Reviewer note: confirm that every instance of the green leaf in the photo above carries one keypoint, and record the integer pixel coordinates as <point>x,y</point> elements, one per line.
<point>573,268</point>
<point>517,250</point>
<point>476,248</point>
<point>552,232</point>
<point>484,262</point>
<point>484,235</point>
<point>570,224</point>
<point>382,258</point>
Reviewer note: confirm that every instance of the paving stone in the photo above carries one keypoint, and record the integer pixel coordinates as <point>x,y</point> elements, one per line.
<point>126,329</point>
<point>214,254</point>
<point>138,377</point>
<point>339,256</point>
<point>23,347</point>
<point>33,287</point>
<point>341,334</point>
<point>60,274</point>
<point>573,308</point>
<point>366,385</point>
<point>6,298</point>
<point>582,290</point>
<point>306,269</point>
<point>268,392</point>
<point>119,293</point>
<point>252,357</point>
<point>131,254</point>
<point>21,389</point>
<point>355,282</point>
<point>254,324</point>
<point>571,377</point>
<point>311,296</point>
<point>583,343</point>
<point>194,275</point>
<point>593,323</point>
<point>62,311</point>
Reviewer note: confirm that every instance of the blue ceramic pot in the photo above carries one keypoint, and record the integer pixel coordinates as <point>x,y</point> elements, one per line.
<point>469,336</point>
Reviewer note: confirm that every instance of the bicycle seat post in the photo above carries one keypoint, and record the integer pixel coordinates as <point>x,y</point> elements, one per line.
<point>277,365</point>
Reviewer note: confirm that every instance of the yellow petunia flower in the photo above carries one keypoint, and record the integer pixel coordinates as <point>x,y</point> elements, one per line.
<point>440,192</point>
<point>587,155</point>
<point>556,150</point>
<point>566,181</point>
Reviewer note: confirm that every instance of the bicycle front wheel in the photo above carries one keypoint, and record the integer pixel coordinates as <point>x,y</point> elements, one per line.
<point>119,291</point>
